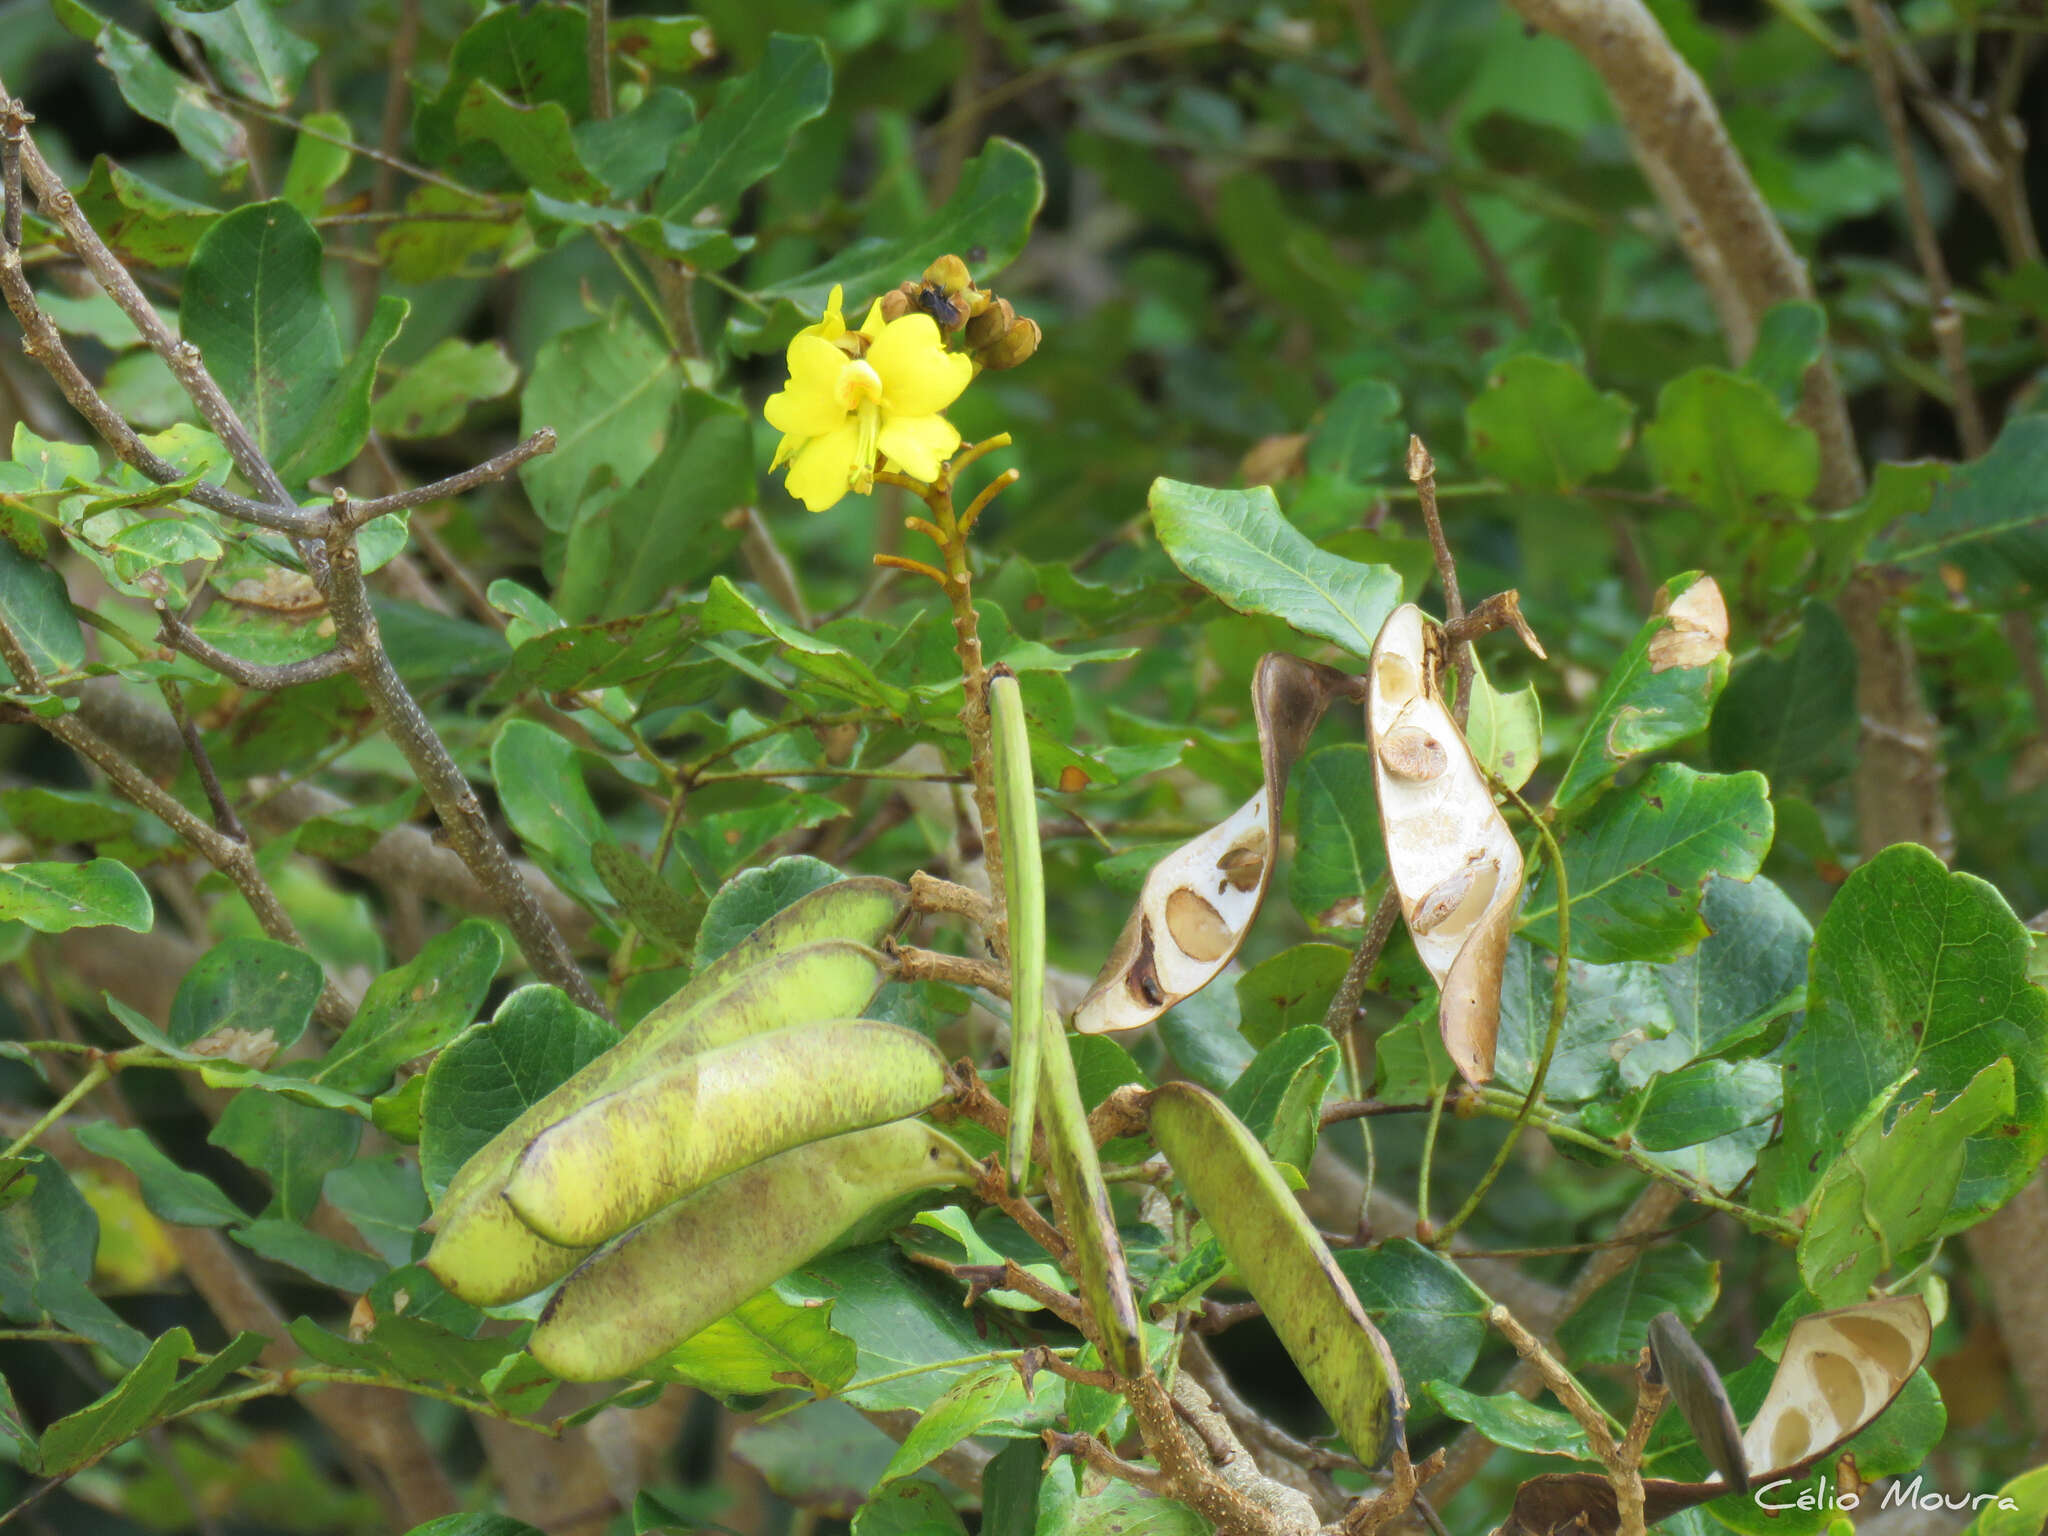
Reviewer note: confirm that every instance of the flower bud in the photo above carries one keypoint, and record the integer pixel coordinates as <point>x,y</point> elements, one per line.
<point>949,310</point>
<point>898,302</point>
<point>949,275</point>
<point>990,325</point>
<point>1013,347</point>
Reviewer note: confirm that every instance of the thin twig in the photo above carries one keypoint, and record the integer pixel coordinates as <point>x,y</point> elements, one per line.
<point>597,55</point>
<point>353,514</point>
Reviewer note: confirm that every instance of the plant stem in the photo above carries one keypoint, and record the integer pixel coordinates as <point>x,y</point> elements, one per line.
<point>96,1074</point>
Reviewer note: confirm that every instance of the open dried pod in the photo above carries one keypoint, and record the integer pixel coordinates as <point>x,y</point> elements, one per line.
<point>1839,1371</point>
<point>1199,901</point>
<point>1454,861</point>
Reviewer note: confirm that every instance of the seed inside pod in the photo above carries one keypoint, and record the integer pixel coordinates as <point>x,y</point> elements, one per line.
<point>1462,895</point>
<point>1197,927</point>
<point>1410,752</point>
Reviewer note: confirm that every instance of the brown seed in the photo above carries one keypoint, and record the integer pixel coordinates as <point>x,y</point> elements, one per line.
<point>1444,899</point>
<point>1410,752</point>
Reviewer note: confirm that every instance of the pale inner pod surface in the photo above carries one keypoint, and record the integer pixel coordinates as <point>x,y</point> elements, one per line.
<point>1838,1372</point>
<point>1453,858</point>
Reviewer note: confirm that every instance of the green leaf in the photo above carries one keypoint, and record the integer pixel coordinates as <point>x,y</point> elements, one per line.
<point>1893,1187</point>
<point>220,1072</point>
<point>1361,437</point>
<point>747,132</point>
<point>753,896</point>
<point>1612,1325</point>
<point>157,91</point>
<point>1239,546</point>
<point>1987,518</point>
<point>1697,1103</point>
<point>172,1193</point>
<point>1064,1509</point>
<point>55,898</point>
<point>540,784</point>
<point>1783,715</point>
<point>37,607</point>
<point>990,213</point>
<point>254,54</point>
<point>1660,692</point>
<point>2020,1509</point>
<point>383,1199</point>
<point>1505,730</point>
<point>831,666</point>
<point>142,221</point>
<point>310,1253</point>
<point>1541,425</point>
<point>628,151</point>
<point>663,915</point>
<point>609,391</point>
<point>81,1438</point>
<point>1789,339</point>
<point>474,1525</point>
<point>762,1345</point>
<point>294,1145</point>
<point>908,1509</point>
<point>1433,1317</point>
<point>320,157</point>
<point>342,424</point>
<point>492,1073</point>
<point>249,985</point>
<point>1293,988</point>
<point>1513,1423</point>
<point>1338,854</point>
<point>973,1248</point>
<point>1919,970</point>
<point>899,1320</point>
<point>254,306</point>
<point>1722,442</point>
<point>432,396</point>
<point>538,141</point>
<point>1280,1095</point>
<point>1639,860</point>
<point>47,1242</point>
<point>587,658</point>
<point>989,1402</point>
<point>1010,1485</point>
<point>415,1009</point>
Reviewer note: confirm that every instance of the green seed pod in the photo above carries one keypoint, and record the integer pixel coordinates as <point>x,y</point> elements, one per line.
<point>808,962</point>
<point>1283,1262</point>
<point>624,1156</point>
<point>1024,903</point>
<point>675,1275</point>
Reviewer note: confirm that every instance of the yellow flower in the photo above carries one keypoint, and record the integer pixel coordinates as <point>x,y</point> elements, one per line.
<point>854,396</point>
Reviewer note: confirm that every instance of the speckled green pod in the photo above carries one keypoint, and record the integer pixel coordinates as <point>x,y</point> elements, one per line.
<point>624,1156</point>
<point>680,1271</point>
<point>1284,1264</point>
<point>810,961</point>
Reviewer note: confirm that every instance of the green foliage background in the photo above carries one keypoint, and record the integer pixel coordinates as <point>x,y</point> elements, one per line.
<point>687,701</point>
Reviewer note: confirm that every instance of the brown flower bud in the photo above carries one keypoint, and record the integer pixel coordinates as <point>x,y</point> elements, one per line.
<point>948,274</point>
<point>897,303</point>
<point>1013,347</point>
<point>990,325</point>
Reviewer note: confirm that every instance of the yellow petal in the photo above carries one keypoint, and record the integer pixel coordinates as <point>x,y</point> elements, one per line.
<point>785,450</point>
<point>808,406</point>
<point>832,325</point>
<point>872,326</point>
<point>822,469</point>
<point>918,444</point>
<point>919,377</point>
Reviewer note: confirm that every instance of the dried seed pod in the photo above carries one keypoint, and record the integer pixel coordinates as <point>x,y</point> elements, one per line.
<point>1839,1371</point>
<point>1199,901</point>
<point>1454,861</point>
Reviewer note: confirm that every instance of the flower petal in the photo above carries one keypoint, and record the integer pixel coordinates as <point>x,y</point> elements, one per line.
<point>808,406</point>
<point>823,468</point>
<point>919,377</point>
<point>872,326</point>
<point>918,444</point>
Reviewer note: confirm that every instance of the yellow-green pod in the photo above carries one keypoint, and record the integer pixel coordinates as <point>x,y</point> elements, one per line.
<point>1284,1264</point>
<point>482,1252</point>
<point>679,1272</point>
<point>1024,907</point>
<point>624,1156</point>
